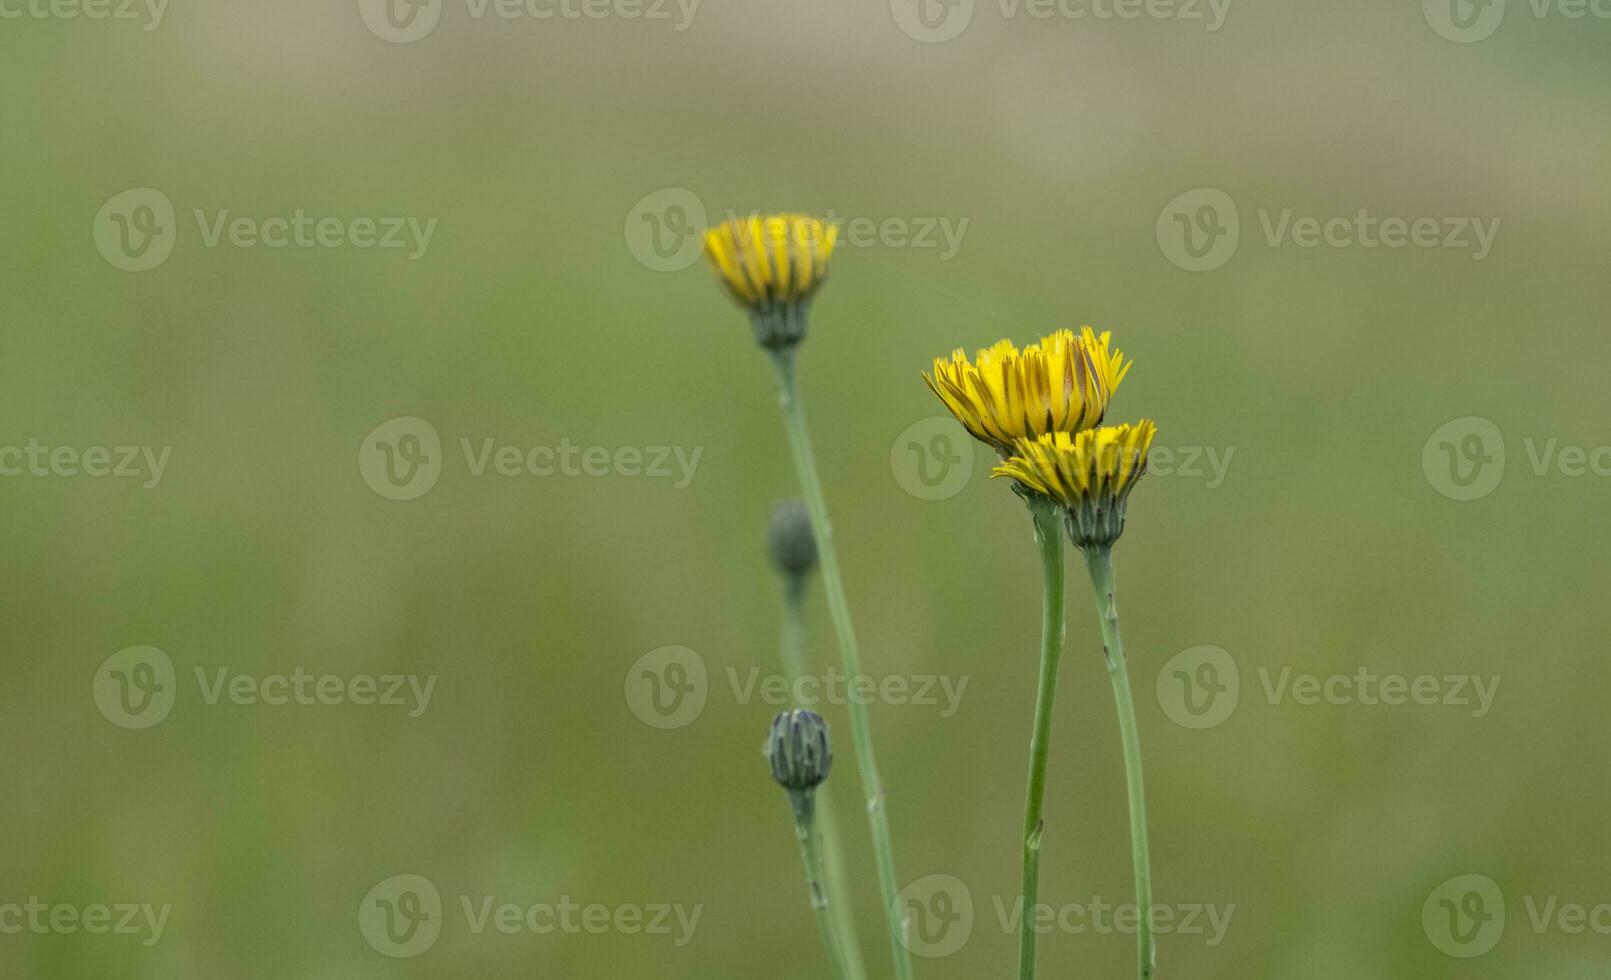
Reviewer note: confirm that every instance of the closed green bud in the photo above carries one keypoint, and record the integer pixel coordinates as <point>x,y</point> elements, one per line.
<point>789,539</point>
<point>798,750</point>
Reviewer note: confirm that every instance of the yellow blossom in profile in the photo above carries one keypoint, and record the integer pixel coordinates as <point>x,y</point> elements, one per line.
<point>1090,473</point>
<point>772,265</point>
<point>1061,384</point>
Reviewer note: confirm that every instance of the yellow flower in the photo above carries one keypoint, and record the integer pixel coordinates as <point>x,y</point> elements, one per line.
<point>772,265</point>
<point>1090,473</point>
<point>1061,384</point>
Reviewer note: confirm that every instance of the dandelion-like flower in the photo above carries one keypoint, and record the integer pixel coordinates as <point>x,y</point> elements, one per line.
<point>1091,474</point>
<point>1061,384</point>
<point>1042,409</point>
<point>772,265</point>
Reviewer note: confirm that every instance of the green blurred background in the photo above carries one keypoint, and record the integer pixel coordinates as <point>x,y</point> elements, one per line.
<point>541,312</point>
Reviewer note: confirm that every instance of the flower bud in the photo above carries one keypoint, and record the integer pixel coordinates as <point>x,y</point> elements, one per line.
<point>789,539</point>
<point>798,750</point>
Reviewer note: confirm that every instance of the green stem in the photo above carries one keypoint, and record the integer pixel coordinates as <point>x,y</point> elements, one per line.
<point>794,666</point>
<point>811,853</point>
<point>1049,535</point>
<point>1100,562</point>
<point>839,610</point>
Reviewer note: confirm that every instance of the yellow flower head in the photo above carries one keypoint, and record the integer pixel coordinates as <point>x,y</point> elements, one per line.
<point>1090,473</point>
<point>1061,384</point>
<point>772,265</point>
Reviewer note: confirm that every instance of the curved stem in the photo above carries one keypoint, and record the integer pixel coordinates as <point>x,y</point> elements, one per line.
<point>792,650</point>
<point>1100,562</point>
<point>1049,536</point>
<point>811,853</point>
<point>839,609</point>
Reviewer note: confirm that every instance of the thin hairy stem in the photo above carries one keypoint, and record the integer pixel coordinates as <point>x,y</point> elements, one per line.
<point>839,610</point>
<point>794,666</point>
<point>811,853</point>
<point>1049,536</point>
<point>1100,562</point>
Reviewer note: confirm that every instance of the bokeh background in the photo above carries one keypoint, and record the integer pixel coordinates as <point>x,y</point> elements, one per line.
<point>546,150</point>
